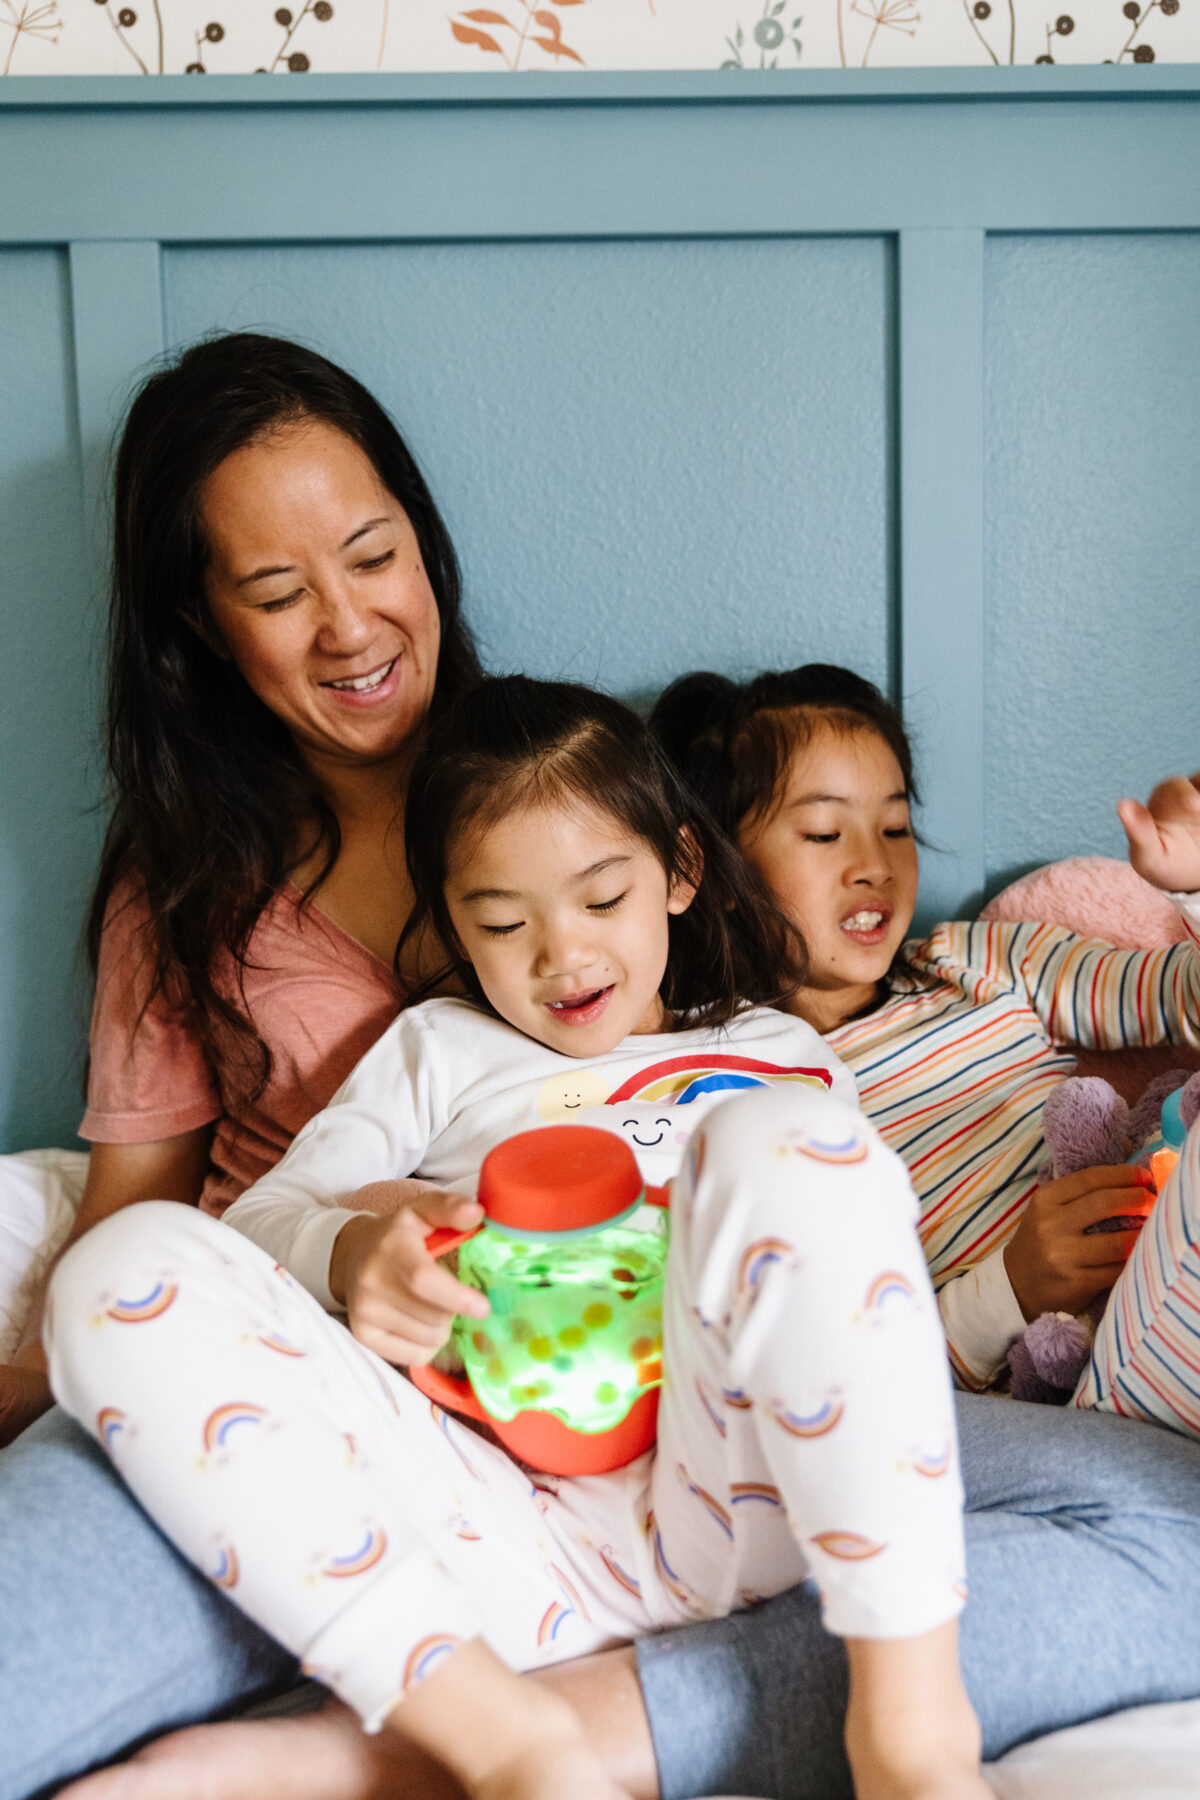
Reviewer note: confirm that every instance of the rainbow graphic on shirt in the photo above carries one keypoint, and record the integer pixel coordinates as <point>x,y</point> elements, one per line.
<point>152,1305</point>
<point>847,1546</point>
<point>680,1079</point>
<point>463,1528</point>
<point>808,1425</point>
<point>424,1658</point>
<point>931,1466</point>
<point>110,1423</point>
<point>891,1285</point>
<point>364,1556</point>
<point>760,1256</point>
<point>711,1505</point>
<point>275,1340</point>
<point>737,1398</point>
<point>225,1419</point>
<point>228,1569</point>
<point>742,1491</point>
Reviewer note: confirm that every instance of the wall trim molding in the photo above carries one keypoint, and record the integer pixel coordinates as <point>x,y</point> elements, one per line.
<point>651,87</point>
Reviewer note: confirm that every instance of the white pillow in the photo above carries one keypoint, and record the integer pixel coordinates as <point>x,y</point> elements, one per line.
<point>39,1196</point>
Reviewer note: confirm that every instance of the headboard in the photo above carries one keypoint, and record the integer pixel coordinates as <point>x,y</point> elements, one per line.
<point>897,369</point>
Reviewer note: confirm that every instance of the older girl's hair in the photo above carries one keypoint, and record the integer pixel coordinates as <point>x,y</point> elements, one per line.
<point>513,742</point>
<point>208,791</point>
<point>732,741</point>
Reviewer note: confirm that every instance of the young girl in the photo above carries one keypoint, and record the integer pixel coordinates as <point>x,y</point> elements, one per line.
<point>806,1431</point>
<point>956,1041</point>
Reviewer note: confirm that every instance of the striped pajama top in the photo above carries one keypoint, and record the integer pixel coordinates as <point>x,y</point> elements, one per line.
<point>953,1069</point>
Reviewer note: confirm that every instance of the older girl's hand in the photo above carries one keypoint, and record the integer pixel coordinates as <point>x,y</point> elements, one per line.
<point>1164,835</point>
<point>399,1300</point>
<point>1054,1263</point>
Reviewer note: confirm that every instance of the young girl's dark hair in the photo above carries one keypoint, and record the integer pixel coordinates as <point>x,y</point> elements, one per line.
<point>208,791</point>
<point>732,742</point>
<point>512,742</point>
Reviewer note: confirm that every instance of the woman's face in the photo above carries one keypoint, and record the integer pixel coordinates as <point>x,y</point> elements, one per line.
<point>837,852</point>
<point>317,591</point>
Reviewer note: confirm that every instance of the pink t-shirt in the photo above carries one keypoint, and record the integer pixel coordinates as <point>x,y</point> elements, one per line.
<point>318,997</point>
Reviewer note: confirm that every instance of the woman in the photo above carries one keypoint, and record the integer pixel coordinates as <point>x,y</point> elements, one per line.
<point>119,1637</point>
<point>285,615</point>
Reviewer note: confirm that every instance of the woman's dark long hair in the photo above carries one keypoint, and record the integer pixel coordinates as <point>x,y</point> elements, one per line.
<point>208,791</point>
<point>512,742</point>
<point>732,741</point>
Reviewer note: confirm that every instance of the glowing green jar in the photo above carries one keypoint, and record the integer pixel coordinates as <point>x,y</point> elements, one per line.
<point>572,1257</point>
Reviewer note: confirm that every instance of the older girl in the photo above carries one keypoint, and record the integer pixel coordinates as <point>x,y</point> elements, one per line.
<point>956,1041</point>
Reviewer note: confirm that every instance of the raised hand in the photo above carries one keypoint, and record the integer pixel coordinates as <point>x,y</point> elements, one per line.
<point>1164,835</point>
<point>400,1302</point>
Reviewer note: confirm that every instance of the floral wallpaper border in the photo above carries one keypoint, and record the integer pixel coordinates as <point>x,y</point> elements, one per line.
<point>151,37</point>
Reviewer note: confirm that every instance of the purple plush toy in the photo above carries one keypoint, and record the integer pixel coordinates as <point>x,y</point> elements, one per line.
<point>1088,1125</point>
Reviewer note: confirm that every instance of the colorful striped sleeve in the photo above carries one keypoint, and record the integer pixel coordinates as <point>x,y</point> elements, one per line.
<point>1083,991</point>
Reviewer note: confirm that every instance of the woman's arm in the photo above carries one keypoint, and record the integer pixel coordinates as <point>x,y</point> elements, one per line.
<point>119,1175</point>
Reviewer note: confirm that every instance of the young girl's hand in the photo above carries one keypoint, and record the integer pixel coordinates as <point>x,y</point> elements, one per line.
<point>1164,835</point>
<point>399,1300</point>
<point>1052,1265</point>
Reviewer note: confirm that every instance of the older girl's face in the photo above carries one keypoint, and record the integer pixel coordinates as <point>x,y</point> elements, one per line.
<point>317,591</point>
<point>837,851</point>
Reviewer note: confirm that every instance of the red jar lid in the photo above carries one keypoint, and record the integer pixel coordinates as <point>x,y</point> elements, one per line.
<point>561,1178</point>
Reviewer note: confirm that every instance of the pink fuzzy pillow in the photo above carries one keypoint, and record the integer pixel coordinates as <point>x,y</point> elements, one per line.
<point>1102,897</point>
<point>1094,896</point>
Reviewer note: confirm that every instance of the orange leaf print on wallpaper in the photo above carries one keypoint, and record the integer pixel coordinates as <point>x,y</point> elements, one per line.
<point>466,30</point>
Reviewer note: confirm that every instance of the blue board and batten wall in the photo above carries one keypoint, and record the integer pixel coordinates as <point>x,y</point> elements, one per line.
<point>895,369</point>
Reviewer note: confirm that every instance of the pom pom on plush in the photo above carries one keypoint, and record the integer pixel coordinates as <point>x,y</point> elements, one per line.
<point>1047,1361</point>
<point>1086,1125</point>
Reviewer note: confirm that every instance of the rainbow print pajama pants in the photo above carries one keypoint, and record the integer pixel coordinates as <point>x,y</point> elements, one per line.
<point>806,1428</point>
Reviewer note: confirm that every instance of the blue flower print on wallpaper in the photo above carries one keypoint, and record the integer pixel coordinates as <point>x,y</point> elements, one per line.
<point>200,37</point>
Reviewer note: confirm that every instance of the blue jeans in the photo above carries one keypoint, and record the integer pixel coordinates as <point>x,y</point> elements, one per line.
<point>1083,1564</point>
<point>1083,1543</point>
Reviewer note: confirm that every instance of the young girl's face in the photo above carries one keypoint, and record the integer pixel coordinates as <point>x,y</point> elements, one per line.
<point>562,913</point>
<point>837,851</point>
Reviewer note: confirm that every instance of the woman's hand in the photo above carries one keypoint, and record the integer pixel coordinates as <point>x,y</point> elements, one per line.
<point>1164,835</point>
<point>1052,1264</point>
<point>399,1300</point>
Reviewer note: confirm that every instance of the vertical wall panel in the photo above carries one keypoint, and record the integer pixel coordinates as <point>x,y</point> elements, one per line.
<point>48,836</point>
<point>651,456</point>
<point>941,554</point>
<point>1093,534</point>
